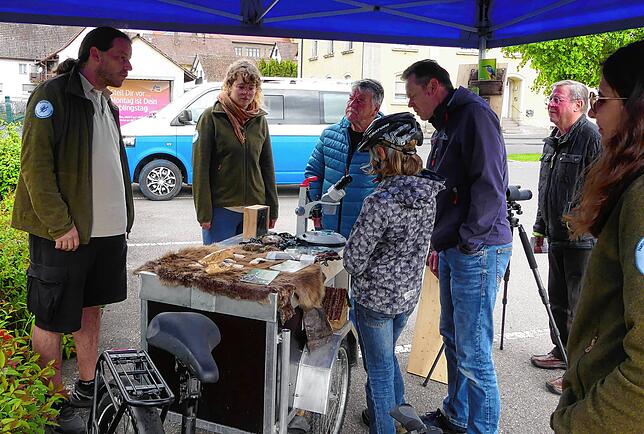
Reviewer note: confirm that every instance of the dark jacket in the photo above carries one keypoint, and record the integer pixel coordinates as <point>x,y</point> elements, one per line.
<point>387,248</point>
<point>603,388</point>
<point>227,173</point>
<point>469,152</point>
<point>329,162</point>
<point>563,168</point>
<point>54,191</point>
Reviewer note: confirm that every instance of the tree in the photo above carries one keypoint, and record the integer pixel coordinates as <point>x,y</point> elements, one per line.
<point>273,68</point>
<point>577,58</point>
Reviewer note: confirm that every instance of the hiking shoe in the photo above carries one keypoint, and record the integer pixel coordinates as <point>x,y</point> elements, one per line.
<point>552,360</point>
<point>555,386</point>
<point>436,419</point>
<point>399,428</point>
<point>83,394</point>
<point>68,421</point>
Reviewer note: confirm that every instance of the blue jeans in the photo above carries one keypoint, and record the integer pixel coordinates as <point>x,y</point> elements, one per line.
<point>385,389</point>
<point>468,288</point>
<point>225,224</point>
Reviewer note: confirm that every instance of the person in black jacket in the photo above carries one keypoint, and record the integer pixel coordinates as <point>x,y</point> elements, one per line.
<point>571,147</point>
<point>472,241</point>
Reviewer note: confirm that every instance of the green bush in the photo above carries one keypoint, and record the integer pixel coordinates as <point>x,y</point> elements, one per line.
<point>9,157</point>
<point>273,68</point>
<point>14,260</point>
<point>26,392</point>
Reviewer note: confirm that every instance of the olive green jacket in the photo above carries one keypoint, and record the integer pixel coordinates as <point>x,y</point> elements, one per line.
<point>226,173</point>
<point>604,384</point>
<point>54,190</point>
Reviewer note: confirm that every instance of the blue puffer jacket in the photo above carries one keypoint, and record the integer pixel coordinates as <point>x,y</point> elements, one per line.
<point>329,163</point>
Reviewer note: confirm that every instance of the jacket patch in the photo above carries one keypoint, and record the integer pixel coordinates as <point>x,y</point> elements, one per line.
<point>44,109</point>
<point>639,256</point>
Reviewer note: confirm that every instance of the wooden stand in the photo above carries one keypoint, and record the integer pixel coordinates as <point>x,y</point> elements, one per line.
<point>427,342</point>
<point>255,221</point>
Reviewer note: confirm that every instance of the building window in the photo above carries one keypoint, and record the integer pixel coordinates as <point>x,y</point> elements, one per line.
<point>252,52</point>
<point>22,68</point>
<point>28,88</point>
<point>400,94</point>
<point>314,49</point>
<point>329,48</point>
<point>238,51</point>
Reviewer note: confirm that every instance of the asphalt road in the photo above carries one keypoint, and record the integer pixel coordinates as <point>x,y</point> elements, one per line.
<point>526,405</point>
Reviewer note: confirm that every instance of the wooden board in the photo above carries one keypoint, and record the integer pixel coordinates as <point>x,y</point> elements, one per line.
<point>427,340</point>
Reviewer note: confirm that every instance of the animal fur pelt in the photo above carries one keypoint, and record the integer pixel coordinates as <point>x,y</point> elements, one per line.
<point>182,268</point>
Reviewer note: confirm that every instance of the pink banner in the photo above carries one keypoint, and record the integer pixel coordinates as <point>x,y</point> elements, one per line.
<point>140,98</point>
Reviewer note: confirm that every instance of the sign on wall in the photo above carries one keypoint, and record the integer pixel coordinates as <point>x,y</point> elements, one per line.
<point>140,98</point>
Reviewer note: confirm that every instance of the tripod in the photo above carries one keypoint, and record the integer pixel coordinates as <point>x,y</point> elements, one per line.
<point>515,208</point>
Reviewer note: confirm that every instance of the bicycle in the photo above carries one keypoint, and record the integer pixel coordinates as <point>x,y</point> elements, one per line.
<point>131,396</point>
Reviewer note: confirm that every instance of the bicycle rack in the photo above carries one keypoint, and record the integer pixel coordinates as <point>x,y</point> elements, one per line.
<point>137,380</point>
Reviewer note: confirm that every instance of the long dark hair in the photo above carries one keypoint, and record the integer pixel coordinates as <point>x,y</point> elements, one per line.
<point>622,159</point>
<point>101,38</point>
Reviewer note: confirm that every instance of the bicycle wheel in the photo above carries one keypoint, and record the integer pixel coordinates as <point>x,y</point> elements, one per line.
<point>135,420</point>
<point>331,422</point>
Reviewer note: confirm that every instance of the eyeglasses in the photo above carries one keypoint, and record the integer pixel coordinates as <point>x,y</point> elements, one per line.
<point>556,99</point>
<point>596,101</point>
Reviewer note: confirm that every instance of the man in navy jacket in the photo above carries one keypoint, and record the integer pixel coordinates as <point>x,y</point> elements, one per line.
<point>471,243</point>
<point>335,156</point>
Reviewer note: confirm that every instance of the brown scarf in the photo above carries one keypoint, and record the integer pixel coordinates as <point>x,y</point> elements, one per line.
<point>238,116</point>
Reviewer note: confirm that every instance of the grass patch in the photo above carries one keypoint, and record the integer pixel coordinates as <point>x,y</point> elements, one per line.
<point>524,157</point>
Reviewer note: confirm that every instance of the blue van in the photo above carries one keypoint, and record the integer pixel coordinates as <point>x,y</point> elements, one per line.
<point>159,147</point>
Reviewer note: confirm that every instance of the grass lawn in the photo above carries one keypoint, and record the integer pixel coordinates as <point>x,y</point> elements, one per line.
<point>524,157</point>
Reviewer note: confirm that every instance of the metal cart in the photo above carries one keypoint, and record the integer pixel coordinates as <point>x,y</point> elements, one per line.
<point>268,377</point>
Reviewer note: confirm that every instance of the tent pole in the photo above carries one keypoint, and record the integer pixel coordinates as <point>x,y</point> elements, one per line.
<point>482,47</point>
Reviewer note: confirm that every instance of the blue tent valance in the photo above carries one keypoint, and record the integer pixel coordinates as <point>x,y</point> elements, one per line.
<point>455,23</point>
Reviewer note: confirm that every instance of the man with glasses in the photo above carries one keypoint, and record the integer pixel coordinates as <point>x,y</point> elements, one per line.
<point>335,155</point>
<point>573,144</point>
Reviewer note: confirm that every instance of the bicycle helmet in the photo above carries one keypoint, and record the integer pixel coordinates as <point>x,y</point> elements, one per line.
<point>398,131</point>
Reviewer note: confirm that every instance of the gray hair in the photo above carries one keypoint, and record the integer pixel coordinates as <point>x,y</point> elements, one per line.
<point>373,86</point>
<point>578,91</point>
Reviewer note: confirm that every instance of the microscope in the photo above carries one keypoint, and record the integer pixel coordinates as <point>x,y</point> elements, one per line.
<point>306,208</point>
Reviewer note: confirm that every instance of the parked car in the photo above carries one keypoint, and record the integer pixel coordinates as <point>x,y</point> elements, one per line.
<point>159,148</point>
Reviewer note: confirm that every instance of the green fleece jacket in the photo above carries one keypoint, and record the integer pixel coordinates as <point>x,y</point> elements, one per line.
<point>225,172</point>
<point>604,384</point>
<point>54,190</point>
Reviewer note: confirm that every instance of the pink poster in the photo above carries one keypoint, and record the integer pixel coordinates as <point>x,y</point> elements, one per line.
<point>140,98</point>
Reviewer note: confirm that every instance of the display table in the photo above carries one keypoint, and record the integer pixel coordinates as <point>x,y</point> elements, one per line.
<point>262,362</point>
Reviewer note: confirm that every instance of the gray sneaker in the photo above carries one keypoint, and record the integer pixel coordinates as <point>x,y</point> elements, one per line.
<point>82,395</point>
<point>68,421</point>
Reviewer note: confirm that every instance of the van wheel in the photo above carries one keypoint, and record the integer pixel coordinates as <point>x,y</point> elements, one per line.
<point>160,180</point>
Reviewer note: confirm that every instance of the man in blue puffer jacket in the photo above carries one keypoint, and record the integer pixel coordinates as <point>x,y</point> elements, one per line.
<point>335,156</point>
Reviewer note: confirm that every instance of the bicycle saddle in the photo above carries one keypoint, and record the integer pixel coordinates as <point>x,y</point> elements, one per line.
<point>190,337</point>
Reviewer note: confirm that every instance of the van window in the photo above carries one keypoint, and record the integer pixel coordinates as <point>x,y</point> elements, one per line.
<point>202,103</point>
<point>274,105</point>
<point>332,106</point>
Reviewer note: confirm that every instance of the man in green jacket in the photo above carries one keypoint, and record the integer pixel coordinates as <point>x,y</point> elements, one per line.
<point>74,198</point>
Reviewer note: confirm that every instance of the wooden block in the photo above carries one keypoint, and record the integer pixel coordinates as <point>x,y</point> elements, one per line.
<point>255,221</point>
<point>427,340</point>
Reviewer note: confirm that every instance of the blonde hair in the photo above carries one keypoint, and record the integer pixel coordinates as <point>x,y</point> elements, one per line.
<point>396,163</point>
<point>248,72</point>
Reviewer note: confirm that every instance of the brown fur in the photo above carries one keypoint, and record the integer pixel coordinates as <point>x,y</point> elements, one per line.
<point>183,269</point>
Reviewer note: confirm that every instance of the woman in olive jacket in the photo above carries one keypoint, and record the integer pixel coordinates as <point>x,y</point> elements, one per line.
<point>232,159</point>
<point>603,388</point>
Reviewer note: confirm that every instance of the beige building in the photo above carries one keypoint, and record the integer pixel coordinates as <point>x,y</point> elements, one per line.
<point>517,105</point>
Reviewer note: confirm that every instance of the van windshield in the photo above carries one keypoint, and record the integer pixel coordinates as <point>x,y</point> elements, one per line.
<point>187,100</point>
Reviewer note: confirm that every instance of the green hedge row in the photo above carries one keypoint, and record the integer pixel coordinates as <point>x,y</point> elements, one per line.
<point>26,392</point>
